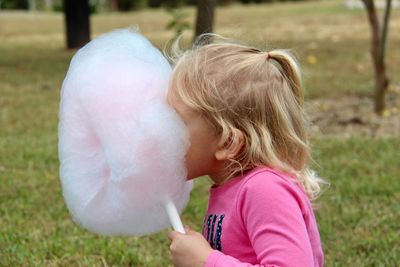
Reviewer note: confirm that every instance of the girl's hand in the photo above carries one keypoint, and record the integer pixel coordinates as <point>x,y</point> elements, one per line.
<point>190,249</point>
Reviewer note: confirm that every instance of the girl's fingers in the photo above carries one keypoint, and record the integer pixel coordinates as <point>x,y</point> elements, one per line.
<point>172,235</point>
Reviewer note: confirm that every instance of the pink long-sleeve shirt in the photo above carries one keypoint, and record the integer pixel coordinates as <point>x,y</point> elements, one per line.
<point>263,218</point>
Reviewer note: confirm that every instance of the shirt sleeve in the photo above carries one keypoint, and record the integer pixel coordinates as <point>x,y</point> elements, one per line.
<point>270,209</point>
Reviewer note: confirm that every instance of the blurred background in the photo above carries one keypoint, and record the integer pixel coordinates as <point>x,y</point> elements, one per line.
<point>350,56</point>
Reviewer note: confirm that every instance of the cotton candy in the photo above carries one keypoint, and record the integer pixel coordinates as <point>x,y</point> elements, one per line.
<point>121,146</point>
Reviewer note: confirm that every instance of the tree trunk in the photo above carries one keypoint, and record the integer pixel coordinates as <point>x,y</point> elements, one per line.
<point>205,16</point>
<point>113,5</point>
<point>77,22</point>
<point>378,43</point>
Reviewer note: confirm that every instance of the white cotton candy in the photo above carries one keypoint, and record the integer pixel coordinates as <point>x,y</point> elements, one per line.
<point>121,146</point>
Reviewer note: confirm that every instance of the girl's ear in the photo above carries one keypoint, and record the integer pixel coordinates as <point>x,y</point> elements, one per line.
<point>229,148</point>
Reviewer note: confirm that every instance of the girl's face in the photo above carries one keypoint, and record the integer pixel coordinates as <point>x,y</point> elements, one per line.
<point>200,157</point>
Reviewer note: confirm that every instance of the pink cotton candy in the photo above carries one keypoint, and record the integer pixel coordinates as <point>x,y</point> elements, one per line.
<point>121,146</point>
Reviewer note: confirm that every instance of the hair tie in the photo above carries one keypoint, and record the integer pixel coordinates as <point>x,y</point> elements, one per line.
<point>268,56</point>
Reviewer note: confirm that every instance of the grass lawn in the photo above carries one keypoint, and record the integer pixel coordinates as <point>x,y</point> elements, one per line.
<point>358,216</point>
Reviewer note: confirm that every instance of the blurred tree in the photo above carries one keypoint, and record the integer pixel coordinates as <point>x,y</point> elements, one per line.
<point>378,48</point>
<point>178,21</point>
<point>97,6</point>
<point>77,22</point>
<point>225,2</point>
<point>155,3</point>
<point>126,5</point>
<point>205,16</point>
<point>14,4</point>
<point>173,3</point>
<point>32,5</point>
<point>113,5</point>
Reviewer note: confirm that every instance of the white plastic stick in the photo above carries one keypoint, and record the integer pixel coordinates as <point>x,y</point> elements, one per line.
<point>174,216</point>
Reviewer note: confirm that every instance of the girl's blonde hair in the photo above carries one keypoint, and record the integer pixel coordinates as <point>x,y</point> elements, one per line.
<point>237,87</point>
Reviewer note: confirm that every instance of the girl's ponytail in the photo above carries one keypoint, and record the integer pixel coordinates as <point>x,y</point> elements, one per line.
<point>289,68</point>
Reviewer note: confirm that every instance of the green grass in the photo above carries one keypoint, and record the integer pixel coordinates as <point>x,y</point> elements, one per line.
<point>358,216</point>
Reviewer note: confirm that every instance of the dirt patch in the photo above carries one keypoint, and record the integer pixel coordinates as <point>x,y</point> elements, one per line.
<point>354,116</point>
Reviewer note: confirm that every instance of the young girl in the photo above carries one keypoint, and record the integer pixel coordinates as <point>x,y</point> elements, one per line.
<point>244,111</point>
